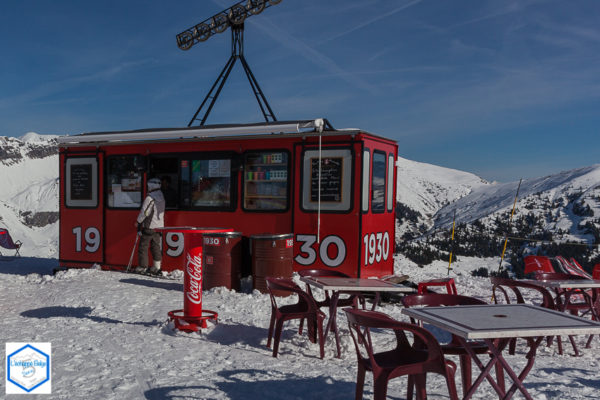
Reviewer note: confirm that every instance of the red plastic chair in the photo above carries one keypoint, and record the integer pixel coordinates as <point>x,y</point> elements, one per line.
<point>575,301</point>
<point>415,360</point>
<point>447,282</point>
<point>595,275</point>
<point>512,292</point>
<point>596,272</point>
<point>305,308</point>
<point>454,347</point>
<point>7,242</point>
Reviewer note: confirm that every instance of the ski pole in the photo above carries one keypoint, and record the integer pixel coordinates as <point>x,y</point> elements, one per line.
<point>509,221</point>
<point>452,242</point>
<point>137,237</point>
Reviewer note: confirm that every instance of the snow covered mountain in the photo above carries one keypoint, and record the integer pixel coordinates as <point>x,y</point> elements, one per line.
<point>555,214</point>
<point>578,187</point>
<point>29,195</point>
<point>424,189</point>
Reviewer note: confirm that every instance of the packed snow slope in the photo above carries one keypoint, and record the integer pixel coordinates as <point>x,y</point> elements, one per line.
<point>426,188</point>
<point>29,195</point>
<point>483,201</point>
<point>564,206</point>
<point>111,339</point>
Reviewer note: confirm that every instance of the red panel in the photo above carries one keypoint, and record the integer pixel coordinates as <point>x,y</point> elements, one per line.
<point>377,238</point>
<point>81,229</point>
<point>120,232</point>
<point>336,246</point>
<point>538,263</point>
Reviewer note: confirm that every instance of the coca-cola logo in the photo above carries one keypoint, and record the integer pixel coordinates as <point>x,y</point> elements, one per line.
<point>193,270</point>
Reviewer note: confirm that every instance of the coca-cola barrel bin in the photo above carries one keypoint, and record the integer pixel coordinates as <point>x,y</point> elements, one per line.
<point>272,255</point>
<point>192,317</point>
<point>222,255</point>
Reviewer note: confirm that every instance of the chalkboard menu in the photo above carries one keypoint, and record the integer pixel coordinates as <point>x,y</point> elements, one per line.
<point>331,179</point>
<point>81,181</point>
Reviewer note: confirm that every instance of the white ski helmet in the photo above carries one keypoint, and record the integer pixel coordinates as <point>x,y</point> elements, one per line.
<point>153,184</point>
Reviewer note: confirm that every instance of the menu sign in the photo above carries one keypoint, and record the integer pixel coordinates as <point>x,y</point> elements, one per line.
<point>219,168</point>
<point>81,181</point>
<point>331,179</point>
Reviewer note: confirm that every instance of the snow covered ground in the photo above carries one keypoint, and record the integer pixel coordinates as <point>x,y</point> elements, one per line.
<point>111,339</point>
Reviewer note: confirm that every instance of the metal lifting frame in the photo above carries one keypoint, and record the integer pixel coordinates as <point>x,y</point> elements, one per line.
<point>237,52</point>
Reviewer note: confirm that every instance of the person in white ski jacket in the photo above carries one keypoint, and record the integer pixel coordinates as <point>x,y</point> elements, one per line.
<point>150,218</point>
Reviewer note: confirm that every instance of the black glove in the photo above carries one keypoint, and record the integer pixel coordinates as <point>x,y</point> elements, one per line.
<point>139,227</point>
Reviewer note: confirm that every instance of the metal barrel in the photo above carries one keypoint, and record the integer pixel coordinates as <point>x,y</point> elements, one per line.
<point>222,260</point>
<point>272,255</point>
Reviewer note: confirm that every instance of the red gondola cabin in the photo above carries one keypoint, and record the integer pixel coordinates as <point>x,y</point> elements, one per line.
<point>335,190</point>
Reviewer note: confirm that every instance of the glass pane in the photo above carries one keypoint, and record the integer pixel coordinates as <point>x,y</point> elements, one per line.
<point>366,181</point>
<point>266,181</point>
<point>167,170</point>
<point>210,183</point>
<point>327,180</point>
<point>81,182</point>
<point>390,188</point>
<point>124,181</point>
<point>378,184</point>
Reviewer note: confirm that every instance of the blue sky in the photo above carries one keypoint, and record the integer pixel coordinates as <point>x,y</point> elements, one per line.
<point>501,88</point>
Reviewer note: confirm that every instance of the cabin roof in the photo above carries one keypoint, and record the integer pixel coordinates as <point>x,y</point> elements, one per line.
<point>208,132</point>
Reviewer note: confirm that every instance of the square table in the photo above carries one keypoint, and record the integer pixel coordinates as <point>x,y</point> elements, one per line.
<point>569,287</point>
<point>344,285</point>
<point>567,283</point>
<point>573,286</point>
<point>496,324</point>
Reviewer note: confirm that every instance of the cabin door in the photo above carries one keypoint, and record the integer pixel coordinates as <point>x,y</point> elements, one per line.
<point>378,202</point>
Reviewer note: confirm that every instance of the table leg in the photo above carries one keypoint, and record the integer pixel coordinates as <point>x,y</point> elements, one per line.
<point>518,380</point>
<point>376,300</point>
<point>496,357</point>
<point>485,369</point>
<point>332,323</point>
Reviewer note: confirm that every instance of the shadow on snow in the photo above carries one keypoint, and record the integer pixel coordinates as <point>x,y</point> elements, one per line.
<point>265,385</point>
<point>27,265</point>
<point>154,284</point>
<point>79,313</point>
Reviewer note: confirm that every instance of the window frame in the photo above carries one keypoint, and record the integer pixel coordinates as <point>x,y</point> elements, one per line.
<point>107,161</point>
<point>205,156</point>
<point>95,185</point>
<point>176,184</point>
<point>243,161</point>
<point>366,181</point>
<point>390,201</point>
<point>372,176</point>
<point>347,179</point>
